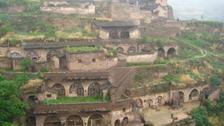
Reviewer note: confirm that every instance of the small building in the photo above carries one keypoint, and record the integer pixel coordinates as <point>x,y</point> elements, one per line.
<point>117,30</point>
<point>90,58</point>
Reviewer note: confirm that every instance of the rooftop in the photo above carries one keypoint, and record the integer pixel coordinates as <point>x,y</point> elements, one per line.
<point>115,24</point>
<point>82,49</point>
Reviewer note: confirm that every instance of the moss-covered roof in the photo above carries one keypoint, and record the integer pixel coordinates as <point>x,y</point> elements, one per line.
<point>82,49</point>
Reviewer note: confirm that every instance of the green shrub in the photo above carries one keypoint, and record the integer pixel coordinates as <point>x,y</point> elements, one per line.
<point>44,69</point>
<point>139,77</point>
<point>25,64</point>
<point>215,80</point>
<point>200,115</point>
<point>82,49</point>
<point>4,29</point>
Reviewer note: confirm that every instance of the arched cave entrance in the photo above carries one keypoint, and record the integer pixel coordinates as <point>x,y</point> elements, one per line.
<point>139,103</point>
<point>125,121</point>
<point>160,100</point>
<point>16,55</point>
<point>120,50</point>
<point>77,89</point>
<point>181,96</point>
<point>95,90</point>
<point>53,57</point>
<point>194,94</point>
<point>161,52</point>
<point>60,90</point>
<point>204,93</point>
<point>171,52</point>
<point>34,56</point>
<point>52,121</point>
<point>125,35</point>
<point>113,35</point>
<point>117,123</point>
<point>32,99</point>
<point>150,103</point>
<point>96,120</point>
<point>74,120</point>
<point>131,50</point>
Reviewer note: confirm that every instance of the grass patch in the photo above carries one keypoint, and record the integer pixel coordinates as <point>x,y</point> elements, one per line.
<point>137,64</point>
<point>75,100</point>
<point>82,49</point>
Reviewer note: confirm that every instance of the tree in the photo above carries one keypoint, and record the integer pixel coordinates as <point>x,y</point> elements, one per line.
<point>25,64</point>
<point>215,80</point>
<point>4,29</point>
<point>200,115</point>
<point>11,105</point>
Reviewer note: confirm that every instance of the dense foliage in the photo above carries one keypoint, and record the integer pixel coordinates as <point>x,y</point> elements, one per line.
<point>201,116</point>
<point>11,106</point>
<point>25,64</point>
<point>212,111</point>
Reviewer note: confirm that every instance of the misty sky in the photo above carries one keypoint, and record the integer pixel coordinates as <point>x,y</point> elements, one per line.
<point>195,9</point>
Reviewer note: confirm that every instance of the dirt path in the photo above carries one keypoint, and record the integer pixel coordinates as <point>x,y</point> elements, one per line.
<point>163,116</point>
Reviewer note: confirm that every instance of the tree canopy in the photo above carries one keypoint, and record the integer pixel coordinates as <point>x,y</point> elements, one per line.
<point>11,105</point>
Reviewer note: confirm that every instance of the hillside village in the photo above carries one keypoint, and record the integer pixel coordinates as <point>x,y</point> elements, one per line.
<point>109,63</point>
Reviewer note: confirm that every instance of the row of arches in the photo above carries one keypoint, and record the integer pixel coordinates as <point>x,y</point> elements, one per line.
<point>161,52</point>
<point>74,120</point>
<point>94,89</point>
<point>119,35</point>
<point>170,52</point>
<point>194,94</point>
<point>124,122</point>
<point>182,96</point>
<point>150,102</point>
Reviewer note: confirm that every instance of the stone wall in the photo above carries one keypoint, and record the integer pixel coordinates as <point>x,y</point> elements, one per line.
<point>135,34</point>
<point>5,63</point>
<point>87,10</point>
<point>144,58</point>
<point>152,101</point>
<point>89,61</point>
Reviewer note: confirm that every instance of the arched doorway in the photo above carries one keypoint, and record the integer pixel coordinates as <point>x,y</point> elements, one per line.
<point>125,121</point>
<point>59,89</point>
<point>74,120</point>
<point>139,103</point>
<point>150,103</point>
<point>131,50</point>
<point>53,57</point>
<point>125,35</point>
<point>15,55</point>
<point>77,89</point>
<point>113,35</point>
<point>194,95</point>
<point>160,100</point>
<point>33,55</point>
<point>181,96</point>
<point>171,52</point>
<point>161,52</point>
<point>204,93</point>
<point>96,120</point>
<point>52,121</point>
<point>120,50</point>
<point>95,90</point>
<point>32,99</point>
<point>117,123</point>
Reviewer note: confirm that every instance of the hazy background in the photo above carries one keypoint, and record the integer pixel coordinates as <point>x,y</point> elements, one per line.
<point>198,9</point>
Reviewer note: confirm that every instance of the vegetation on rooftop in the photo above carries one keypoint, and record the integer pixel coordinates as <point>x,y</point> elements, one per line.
<point>82,49</point>
<point>76,100</point>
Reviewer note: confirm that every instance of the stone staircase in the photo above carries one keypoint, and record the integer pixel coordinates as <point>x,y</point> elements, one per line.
<point>121,79</point>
